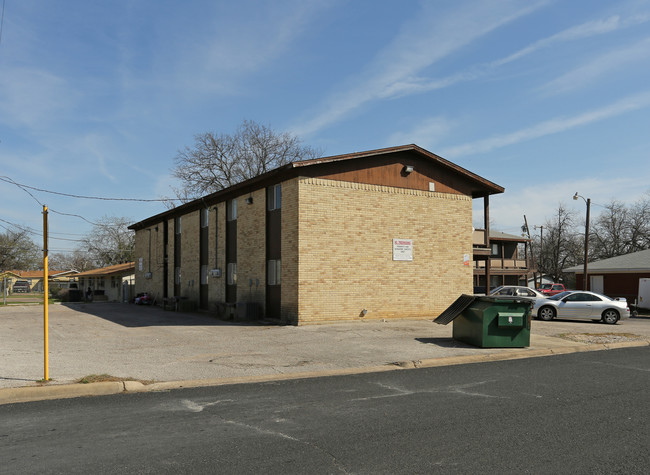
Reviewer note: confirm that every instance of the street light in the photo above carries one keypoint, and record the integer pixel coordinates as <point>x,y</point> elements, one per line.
<point>585,282</point>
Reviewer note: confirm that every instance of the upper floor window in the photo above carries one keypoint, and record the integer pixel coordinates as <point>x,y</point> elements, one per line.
<point>274,197</point>
<point>205,217</point>
<point>495,249</point>
<point>231,210</point>
<point>177,225</point>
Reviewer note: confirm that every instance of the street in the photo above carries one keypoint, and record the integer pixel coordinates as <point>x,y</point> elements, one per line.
<point>577,413</point>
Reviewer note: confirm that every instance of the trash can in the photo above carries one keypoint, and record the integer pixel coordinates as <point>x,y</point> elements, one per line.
<point>490,322</point>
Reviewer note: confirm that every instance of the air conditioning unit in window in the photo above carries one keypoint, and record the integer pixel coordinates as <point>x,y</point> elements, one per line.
<point>147,275</point>
<point>215,272</point>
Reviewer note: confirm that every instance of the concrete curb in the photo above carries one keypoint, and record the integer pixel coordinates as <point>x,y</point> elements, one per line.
<point>65,391</point>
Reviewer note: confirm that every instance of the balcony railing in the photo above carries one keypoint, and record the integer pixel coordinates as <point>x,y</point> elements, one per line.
<point>503,264</point>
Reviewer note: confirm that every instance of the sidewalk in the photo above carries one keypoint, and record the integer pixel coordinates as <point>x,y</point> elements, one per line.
<point>147,348</point>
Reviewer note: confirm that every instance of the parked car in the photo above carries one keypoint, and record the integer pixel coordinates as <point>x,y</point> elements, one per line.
<point>518,291</point>
<point>582,304</point>
<point>22,286</point>
<point>551,289</point>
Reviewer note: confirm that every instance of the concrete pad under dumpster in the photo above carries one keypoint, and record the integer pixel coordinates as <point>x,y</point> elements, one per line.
<point>490,322</point>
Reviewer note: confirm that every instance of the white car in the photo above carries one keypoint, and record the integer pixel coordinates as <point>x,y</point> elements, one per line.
<point>582,304</point>
<point>517,291</point>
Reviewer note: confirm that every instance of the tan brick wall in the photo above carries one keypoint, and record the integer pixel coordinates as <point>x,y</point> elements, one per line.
<point>217,255</point>
<point>154,285</point>
<point>251,248</point>
<point>346,255</point>
<point>289,276</point>
<point>190,263</point>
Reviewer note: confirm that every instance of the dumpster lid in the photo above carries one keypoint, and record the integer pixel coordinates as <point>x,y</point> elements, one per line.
<point>465,301</point>
<point>455,309</point>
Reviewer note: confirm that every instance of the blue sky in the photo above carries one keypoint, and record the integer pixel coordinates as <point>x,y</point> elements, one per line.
<point>544,98</point>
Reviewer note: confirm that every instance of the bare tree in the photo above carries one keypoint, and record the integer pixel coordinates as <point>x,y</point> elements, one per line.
<point>217,161</point>
<point>562,246</point>
<point>620,230</point>
<point>610,232</point>
<point>78,260</point>
<point>639,225</point>
<point>18,251</point>
<point>110,242</point>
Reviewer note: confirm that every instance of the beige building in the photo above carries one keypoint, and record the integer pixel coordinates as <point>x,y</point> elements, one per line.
<point>370,235</point>
<point>112,283</point>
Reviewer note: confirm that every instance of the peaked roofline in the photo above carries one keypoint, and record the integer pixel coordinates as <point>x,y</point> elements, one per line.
<point>250,185</point>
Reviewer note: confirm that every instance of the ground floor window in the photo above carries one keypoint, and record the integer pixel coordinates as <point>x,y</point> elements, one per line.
<point>273,272</point>
<point>232,273</point>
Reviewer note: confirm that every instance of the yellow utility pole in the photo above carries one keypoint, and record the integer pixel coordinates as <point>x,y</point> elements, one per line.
<point>46,291</point>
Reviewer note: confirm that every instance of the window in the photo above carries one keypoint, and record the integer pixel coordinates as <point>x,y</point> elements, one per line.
<point>273,272</point>
<point>177,225</point>
<point>205,214</point>
<point>232,273</point>
<point>204,274</point>
<point>495,249</point>
<point>177,275</point>
<point>231,210</point>
<point>274,197</point>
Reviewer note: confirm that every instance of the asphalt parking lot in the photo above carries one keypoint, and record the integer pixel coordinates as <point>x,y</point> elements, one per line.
<point>150,344</point>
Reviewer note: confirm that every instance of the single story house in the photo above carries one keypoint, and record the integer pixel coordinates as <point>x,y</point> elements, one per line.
<point>616,276</point>
<point>112,283</point>
<point>35,278</point>
<point>379,234</point>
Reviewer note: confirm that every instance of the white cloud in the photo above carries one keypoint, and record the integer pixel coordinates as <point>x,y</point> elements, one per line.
<point>432,36</point>
<point>238,46</point>
<point>508,209</point>
<point>582,31</point>
<point>427,133</point>
<point>552,126</point>
<point>612,62</point>
<point>30,97</point>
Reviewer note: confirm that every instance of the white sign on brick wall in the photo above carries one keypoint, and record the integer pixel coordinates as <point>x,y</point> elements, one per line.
<point>402,249</point>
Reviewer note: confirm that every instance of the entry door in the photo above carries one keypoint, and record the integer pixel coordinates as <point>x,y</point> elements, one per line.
<point>597,283</point>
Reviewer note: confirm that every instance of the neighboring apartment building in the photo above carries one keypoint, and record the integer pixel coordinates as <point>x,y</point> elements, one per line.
<point>505,260</point>
<point>380,234</point>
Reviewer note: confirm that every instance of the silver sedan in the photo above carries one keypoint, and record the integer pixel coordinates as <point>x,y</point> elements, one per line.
<point>582,304</point>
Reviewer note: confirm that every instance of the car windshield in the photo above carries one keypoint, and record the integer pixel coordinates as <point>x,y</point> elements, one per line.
<point>560,296</point>
<point>545,286</point>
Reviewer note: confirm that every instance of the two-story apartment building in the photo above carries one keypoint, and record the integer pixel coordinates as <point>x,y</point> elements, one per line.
<point>503,261</point>
<point>380,234</point>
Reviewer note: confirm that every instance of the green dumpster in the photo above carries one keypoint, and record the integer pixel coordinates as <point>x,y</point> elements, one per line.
<point>490,322</point>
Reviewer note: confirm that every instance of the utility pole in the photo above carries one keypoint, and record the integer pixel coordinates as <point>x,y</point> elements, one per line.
<point>532,255</point>
<point>46,291</point>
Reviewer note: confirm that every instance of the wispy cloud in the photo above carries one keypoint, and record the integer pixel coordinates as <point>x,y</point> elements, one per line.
<point>236,47</point>
<point>29,97</point>
<point>427,133</point>
<point>578,32</point>
<point>609,63</point>
<point>432,36</point>
<point>553,126</point>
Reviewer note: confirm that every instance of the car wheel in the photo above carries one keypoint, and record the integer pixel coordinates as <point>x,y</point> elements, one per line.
<point>546,313</point>
<point>610,316</point>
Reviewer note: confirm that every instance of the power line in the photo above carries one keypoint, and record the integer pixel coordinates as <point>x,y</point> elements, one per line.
<point>6,179</point>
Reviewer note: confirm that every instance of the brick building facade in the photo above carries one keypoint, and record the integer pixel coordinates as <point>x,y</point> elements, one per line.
<point>379,234</point>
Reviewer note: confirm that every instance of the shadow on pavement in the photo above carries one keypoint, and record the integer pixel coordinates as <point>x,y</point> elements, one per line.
<point>133,316</point>
<point>444,342</point>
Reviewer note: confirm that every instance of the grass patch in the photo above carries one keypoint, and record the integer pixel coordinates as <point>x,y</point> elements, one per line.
<point>600,337</point>
<point>107,378</point>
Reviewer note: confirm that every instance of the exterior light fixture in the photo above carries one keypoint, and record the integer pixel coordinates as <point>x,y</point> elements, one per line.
<point>249,200</point>
<point>408,169</point>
